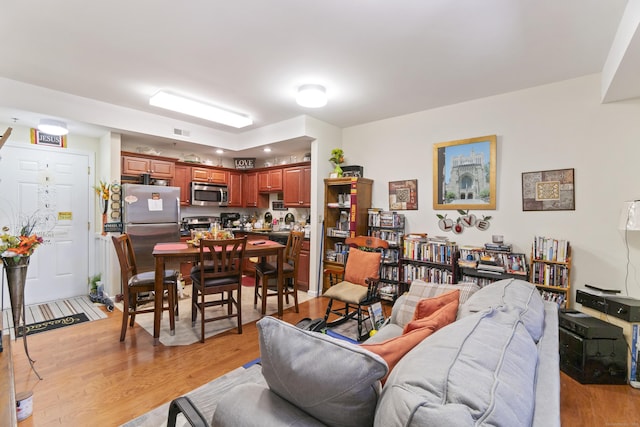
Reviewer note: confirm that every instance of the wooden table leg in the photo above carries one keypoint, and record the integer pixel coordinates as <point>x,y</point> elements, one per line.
<point>280,280</point>
<point>157,312</point>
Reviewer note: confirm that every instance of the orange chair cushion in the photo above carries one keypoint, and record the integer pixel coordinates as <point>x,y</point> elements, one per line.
<point>392,350</point>
<point>427,306</point>
<point>361,265</point>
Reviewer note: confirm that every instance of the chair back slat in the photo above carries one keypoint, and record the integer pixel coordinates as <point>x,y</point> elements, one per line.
<point>126,257</point>
<point>221,258</point>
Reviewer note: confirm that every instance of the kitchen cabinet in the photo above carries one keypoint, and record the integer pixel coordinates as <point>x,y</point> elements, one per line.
<point>215,176</point>
<point>270,181</point>
<point>235,189</point>
<point>138,165</point>
<point>182,179</point>
<point>303,267</point>
<point>253,199</point>
<point>297,187</point>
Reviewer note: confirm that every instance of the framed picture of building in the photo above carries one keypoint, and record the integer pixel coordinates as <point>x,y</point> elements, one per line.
<point>464,174</point>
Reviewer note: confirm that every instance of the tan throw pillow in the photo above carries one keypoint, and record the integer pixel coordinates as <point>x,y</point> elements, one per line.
<point>361,265</point>
<point>393,349</point>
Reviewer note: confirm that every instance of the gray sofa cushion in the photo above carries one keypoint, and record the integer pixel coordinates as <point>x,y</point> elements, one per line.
<point>514,294</point>
<point>480,370</point>
<point>267,409</point>
<point>333,380</point>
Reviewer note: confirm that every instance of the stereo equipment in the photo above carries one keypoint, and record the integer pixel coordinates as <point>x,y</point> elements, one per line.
<point>625,308</point>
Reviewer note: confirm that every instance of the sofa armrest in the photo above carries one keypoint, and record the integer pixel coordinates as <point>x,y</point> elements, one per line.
<point>183,405</point>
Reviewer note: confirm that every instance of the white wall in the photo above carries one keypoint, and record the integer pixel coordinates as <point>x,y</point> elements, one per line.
<point>557,126</point>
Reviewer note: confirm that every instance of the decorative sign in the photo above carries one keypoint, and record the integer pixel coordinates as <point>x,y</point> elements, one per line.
<point>41,138</point>
<point>245,162</point>
<point>65,216</point>
<point>403,195</point>
<point>552,190</point>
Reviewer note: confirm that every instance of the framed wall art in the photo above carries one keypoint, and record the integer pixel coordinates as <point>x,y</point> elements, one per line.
<point>552,190</point>
<point>403,195</point>
<point>464,174</point>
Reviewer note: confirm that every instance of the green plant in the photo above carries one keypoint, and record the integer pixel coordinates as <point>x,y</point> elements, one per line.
<point>93,282</point>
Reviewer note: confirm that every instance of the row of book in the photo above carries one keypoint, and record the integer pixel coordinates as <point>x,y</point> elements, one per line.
<point>380,218</point>
<point>393,237</point>
<point>550,249</point>
<point>492,261</point>
<point>421,248</point>
<point>389,272</point>
<point>557,297</point>
<point>480,281</point>
<point>550,274</point>
<point>412,272</point>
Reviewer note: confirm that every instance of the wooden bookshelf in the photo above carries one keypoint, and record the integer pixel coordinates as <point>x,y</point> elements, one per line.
<point>551,269</point>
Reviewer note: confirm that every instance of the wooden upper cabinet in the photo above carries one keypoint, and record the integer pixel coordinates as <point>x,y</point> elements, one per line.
<point>183,180</point>
<point>235,189</point>
<point>297,187</point>
<point>250,189</point>
<point>270,181</point>
<point>134,165</point>
<point>215,176</point>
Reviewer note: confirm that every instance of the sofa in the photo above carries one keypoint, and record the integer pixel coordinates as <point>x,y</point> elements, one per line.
<point>496,364</point>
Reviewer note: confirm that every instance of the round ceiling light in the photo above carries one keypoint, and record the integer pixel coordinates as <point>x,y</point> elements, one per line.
<point>53,127</point>
<point>312,96</point>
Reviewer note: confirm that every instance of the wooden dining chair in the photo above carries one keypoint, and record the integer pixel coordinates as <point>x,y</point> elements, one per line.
<point>135,284</point>
<point>219,271</point>
<point>356,285</point>
<point>266,271</point>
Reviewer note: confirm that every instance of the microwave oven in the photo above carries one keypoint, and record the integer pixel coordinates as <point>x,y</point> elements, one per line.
<point>206,194</point>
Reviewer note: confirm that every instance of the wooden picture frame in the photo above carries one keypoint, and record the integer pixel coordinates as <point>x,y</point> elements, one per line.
<point>41,138</point>
<point>552,190</point>
<point>403,195</point>
<point>464,174</point>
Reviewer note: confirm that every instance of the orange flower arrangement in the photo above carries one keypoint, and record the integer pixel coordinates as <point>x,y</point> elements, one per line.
<point>21,244</point>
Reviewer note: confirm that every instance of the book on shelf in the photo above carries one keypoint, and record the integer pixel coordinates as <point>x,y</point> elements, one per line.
<point>499,247</point>
<point>550,249</point>
<point>376,315</point>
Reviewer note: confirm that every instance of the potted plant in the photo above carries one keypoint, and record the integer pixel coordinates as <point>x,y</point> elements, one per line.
<point>337,158</point>
<point>95,283</point>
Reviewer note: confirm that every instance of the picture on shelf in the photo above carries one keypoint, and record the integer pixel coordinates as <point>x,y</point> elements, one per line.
<point>464,174</point>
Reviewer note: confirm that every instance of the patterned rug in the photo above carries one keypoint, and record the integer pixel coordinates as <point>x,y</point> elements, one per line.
<point>52,312</point>
<point>185,334</point>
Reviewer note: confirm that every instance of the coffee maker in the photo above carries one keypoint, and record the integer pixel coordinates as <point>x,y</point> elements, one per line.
<point>228,218</point>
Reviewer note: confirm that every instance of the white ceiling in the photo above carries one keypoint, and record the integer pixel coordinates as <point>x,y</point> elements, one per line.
<point>377,58</point>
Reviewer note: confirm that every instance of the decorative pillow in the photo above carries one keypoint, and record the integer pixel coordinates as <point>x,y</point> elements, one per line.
<point>361,265</point>
<point>333,380</point>
<point>427,306</point>
<point>403,313</point>
<point>393,349</point>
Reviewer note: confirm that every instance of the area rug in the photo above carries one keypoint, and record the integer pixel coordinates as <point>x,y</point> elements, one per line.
<point>185,334</point>
<point>53,311</point>
<point>205,397</point>
<point>48,325</point>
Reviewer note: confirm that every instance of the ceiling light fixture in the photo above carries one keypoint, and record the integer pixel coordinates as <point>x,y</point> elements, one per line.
<point>220,151</point>
<point>267,150</point>
<point>53,127</point>
<point>312,96</point>
<point>199,109</point>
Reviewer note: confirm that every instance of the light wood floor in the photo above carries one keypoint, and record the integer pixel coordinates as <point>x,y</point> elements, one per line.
<point>90,378</point>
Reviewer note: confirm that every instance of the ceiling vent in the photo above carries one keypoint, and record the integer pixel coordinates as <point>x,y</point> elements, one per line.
<point>181,132</point>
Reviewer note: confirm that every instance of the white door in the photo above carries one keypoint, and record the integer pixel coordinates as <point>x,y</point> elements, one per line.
<point>53,185</point>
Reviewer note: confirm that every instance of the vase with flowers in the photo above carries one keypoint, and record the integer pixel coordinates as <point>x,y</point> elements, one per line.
<point>16,250</point>
<point>337,158</point>
<point>103,191</point>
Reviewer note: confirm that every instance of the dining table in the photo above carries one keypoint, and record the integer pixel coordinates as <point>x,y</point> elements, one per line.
<point>185,252</point>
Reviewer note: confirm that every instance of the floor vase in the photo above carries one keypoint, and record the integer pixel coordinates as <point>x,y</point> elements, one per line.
<point>16,270</point>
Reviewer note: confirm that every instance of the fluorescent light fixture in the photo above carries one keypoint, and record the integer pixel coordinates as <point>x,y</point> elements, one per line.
<point>53,127</point>
<point>630,216</point>
<point>199,109</point>
<point>312,96</point>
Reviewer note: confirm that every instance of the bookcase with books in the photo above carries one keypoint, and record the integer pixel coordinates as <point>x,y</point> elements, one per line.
<point>432,259</point>
<point>346,204</point>
<point>388,226</point>
<point>486,264</point>
<point>551,269</point>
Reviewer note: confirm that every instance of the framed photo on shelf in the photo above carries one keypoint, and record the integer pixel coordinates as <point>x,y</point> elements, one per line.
<point>403,195</point>
<point>552,190</point>
<point>464,174</point>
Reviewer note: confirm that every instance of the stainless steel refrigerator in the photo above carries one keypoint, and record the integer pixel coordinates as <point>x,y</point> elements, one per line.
<point>151,214</point>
